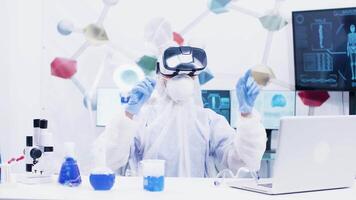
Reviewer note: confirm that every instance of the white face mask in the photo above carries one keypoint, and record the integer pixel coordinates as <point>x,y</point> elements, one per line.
<point>180,88</point>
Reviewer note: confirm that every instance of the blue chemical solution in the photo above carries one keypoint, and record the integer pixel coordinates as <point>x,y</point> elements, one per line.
<point>153,183</point>
<point>102,181</point>
<point>69,174</point>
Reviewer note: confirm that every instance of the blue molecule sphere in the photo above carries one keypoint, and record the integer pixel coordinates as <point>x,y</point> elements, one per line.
<point>65,27</point>
<point>279,100</point>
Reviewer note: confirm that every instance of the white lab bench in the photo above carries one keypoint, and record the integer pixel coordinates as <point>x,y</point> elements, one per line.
<point>128,188</point>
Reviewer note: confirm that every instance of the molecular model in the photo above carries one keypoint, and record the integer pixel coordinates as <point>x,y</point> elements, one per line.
<point>159,34</point>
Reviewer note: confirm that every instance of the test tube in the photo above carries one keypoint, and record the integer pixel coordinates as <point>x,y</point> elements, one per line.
<point>153,175</point>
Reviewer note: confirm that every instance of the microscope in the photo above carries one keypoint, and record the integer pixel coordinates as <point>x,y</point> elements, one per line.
<point>39,153</point>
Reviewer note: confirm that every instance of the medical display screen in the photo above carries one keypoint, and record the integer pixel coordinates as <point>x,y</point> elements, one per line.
<point>219,101</point>
<point>325,49</point>
<point>272,105</point>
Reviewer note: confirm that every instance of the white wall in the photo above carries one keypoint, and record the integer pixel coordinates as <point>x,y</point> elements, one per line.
<point>234,42</point>
<point>20,69</point>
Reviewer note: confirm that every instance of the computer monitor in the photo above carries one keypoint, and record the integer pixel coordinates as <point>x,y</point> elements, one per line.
<point>272,105</point>
<point>325,49</point>
<point>219,101</point>
<point>108,103</point>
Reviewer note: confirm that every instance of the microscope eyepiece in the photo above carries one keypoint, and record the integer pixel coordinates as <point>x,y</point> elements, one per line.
<point>36,123</point>
<point>43,124</point>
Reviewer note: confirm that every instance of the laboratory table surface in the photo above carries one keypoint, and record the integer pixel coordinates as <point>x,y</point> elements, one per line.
<point>128,188</point>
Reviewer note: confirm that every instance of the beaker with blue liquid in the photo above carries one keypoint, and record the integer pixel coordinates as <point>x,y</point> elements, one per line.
<point>153,175</point>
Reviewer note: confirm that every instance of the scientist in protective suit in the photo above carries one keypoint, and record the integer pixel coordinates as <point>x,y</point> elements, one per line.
<point>174,126</point>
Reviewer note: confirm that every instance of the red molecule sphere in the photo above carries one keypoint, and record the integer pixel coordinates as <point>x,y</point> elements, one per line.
<point>63,67</point>
<point>313,98</point>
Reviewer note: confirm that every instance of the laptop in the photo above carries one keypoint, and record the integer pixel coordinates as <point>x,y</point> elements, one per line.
<point>314,153</point>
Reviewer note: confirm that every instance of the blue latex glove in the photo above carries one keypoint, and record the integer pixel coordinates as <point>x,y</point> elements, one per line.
<point>247,91</point>
<point>139,95</point>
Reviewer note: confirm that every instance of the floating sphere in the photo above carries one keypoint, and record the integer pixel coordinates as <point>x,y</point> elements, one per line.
<point>127,76</point>
<point>65,27</point>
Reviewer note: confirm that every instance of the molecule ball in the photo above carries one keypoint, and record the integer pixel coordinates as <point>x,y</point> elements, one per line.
<point>65,27</point>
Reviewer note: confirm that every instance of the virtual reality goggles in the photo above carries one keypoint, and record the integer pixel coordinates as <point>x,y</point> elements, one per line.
<point>182,60</point>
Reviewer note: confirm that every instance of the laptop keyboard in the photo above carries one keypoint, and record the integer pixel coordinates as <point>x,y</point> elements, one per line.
<point>268,185</point>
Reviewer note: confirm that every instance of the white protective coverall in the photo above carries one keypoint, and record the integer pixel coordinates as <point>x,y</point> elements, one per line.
<point>194,141</point>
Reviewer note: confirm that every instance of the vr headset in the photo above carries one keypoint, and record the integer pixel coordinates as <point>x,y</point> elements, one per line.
<point>182,60</point>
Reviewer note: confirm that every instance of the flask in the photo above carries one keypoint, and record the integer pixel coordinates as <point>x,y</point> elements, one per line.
<point>69,174</point>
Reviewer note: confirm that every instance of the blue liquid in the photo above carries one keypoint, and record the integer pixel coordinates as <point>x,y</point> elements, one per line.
<point>153,183</point>
<point>102,181</point>
<point>69,174</point>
